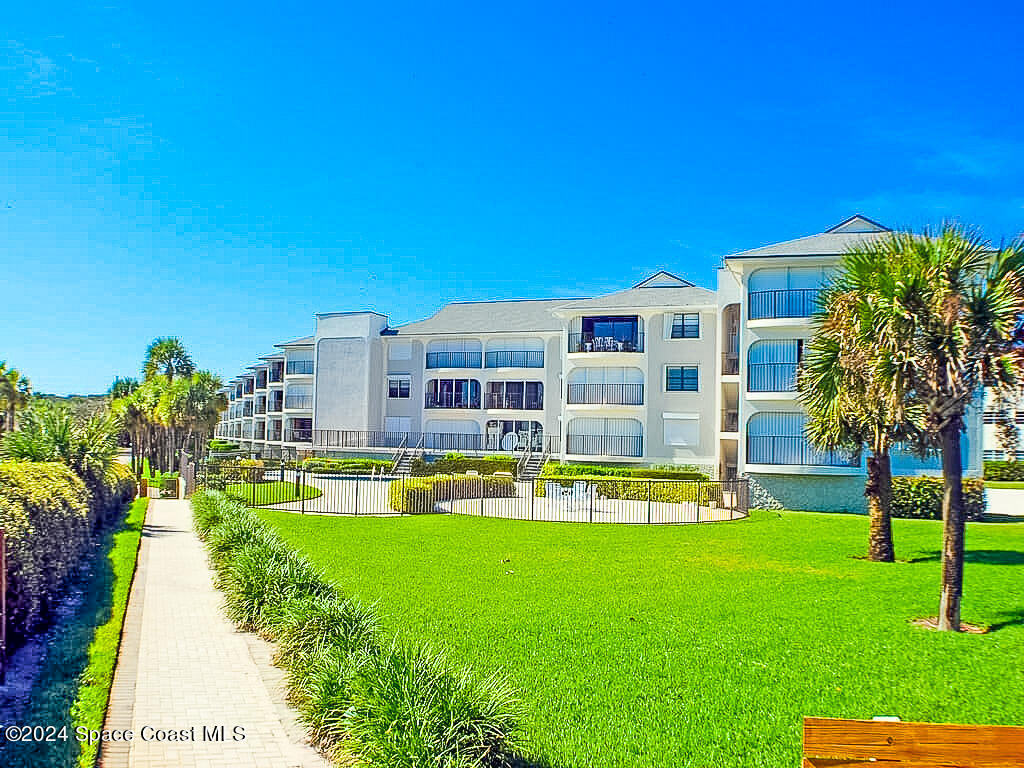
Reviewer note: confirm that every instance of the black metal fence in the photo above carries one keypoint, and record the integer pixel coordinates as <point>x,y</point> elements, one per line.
<point>582,500</point>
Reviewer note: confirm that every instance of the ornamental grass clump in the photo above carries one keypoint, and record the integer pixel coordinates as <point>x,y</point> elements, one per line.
<point>355,692</point>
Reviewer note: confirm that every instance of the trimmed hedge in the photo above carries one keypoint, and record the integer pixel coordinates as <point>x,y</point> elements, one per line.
<point>49,515</point>
<point>358,693</point>
<point>457,464</point>
<point>1004,470</point>
<point>222,446</point>
<point>636,490</point>
<point>346,466</point>
<point>418,496</point>
<point>553,469</point>
<point>921,498</point>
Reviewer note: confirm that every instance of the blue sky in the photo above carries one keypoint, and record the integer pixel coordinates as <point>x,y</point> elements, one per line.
<point>222,171</point>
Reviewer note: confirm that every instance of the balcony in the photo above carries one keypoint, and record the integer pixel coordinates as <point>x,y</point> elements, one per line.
<point>276,373</point>
<point>261,380</point>
<point>454,359</point>
<point>450,400</point>
<point>298,402</point>
<point>789,303</point>
<point>794,450</point>
<point>274,434</point>
<point>584,342</point>
<point>605,394</point>
<point>515,401</point>
<point>261,407</point>
<point>631,446</point>
<point>730,420</point>
<point>771,377</point>
<point>249,386</point>
<point>298,435</point>
<point>247,411</point>
<point>299,368</point>
<point>514,359</point>
<point>274,405</point>
<point>730,364</point>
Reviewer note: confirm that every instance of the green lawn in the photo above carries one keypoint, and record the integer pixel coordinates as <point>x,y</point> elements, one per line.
<point>1017,484</point>
<point>74,683</point>
<point>691,645</point>
<point>273,492</point>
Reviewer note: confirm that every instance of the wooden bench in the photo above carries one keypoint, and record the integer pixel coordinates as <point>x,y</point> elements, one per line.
<point>878,743</point>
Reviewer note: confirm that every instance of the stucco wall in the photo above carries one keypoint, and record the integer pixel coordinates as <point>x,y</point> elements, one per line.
<point>812,493</point>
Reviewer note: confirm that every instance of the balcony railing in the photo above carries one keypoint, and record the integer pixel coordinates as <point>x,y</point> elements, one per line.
<point>730,364</point>
<point>605,445</point>
<point>730,420</point>
<point>247,411</point>
<point>249,387</point>
<point>515,402</point>
<point>298,402</point>
<point>261,407</point>
<point>450,400</point>
<point>453,359</point>
<point>789,450</point>
<point>515,359</point>
<point>605,394</point>
<point>277,374</point>
<point>261,380</point>
<point>771,377</point>
<point>435,441</point>
<point>299,367</point>
<point>298,435</point>
<point>274,405</point>
<point>793,302</point>
<point>582,342</point>
<point>274,434</point>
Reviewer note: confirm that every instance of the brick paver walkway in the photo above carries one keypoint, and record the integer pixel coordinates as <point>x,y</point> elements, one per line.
<point>183,667</point>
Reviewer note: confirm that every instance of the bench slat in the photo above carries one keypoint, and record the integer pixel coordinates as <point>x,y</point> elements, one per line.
<point>917,744</point>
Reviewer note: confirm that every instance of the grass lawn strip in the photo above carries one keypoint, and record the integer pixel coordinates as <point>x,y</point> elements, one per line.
<point>691,645</point>
<point>73,686</point>
<point>1015,484</point>
<point>271,492</point>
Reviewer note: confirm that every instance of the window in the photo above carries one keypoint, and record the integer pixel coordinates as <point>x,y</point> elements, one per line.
<point>686,326</point>
<point>682,429</point>
<point>398,387</point>
<point>681,378</point>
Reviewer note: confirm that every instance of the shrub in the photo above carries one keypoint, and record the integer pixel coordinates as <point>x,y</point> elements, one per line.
<point>1004,470</point>
<point>634,489</point>
<point>552,469</point>
<point>222,446</point>
<point>355,466</point>
<point>419,495</point>
<point>397,707</point>
<point>921,497</point>
<point>45,513</point>
<point>456,464</point>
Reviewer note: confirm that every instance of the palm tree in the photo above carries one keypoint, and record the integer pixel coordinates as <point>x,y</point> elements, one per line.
<point>15,395</point>
<point>122,387</point>
<point>851,396</point>
<point>946,311</point>
<point>167,355</point>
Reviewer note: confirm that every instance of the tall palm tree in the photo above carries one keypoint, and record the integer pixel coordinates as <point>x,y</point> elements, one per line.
<point>167,355</point>
<point>15,395</point>
<point>946,310</point>
<point>851,396</point>
<point>122,387</point>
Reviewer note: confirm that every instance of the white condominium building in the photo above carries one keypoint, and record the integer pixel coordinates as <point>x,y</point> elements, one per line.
<point>664,372</point>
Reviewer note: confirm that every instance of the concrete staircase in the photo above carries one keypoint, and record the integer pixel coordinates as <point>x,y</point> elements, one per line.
<point>403,464</point>
<point>532,466</point>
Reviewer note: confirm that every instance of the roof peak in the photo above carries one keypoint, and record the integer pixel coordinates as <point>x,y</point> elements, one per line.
<point>857,224</point>
<point>664,279</point>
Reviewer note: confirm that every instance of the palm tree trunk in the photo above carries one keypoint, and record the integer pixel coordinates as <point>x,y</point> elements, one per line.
<point>878,490</point>
<point>953,529</point>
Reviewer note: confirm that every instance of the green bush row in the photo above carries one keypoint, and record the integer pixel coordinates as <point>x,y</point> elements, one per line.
<point>921,498</point>
<point>456,464</point>
<point>1004,470</point>
<point>222,446</point>
<point>554,469</point>
<point>49,515</point>
<point>637,490</point>
<point>357,692</point>
<point>419,495</point>
<point>354,466</point>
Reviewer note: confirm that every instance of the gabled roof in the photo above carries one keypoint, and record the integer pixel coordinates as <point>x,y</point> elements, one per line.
<point>644,298</point>
<point>515,316</point>
<point>834,241</point>
<point>663,279</point>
